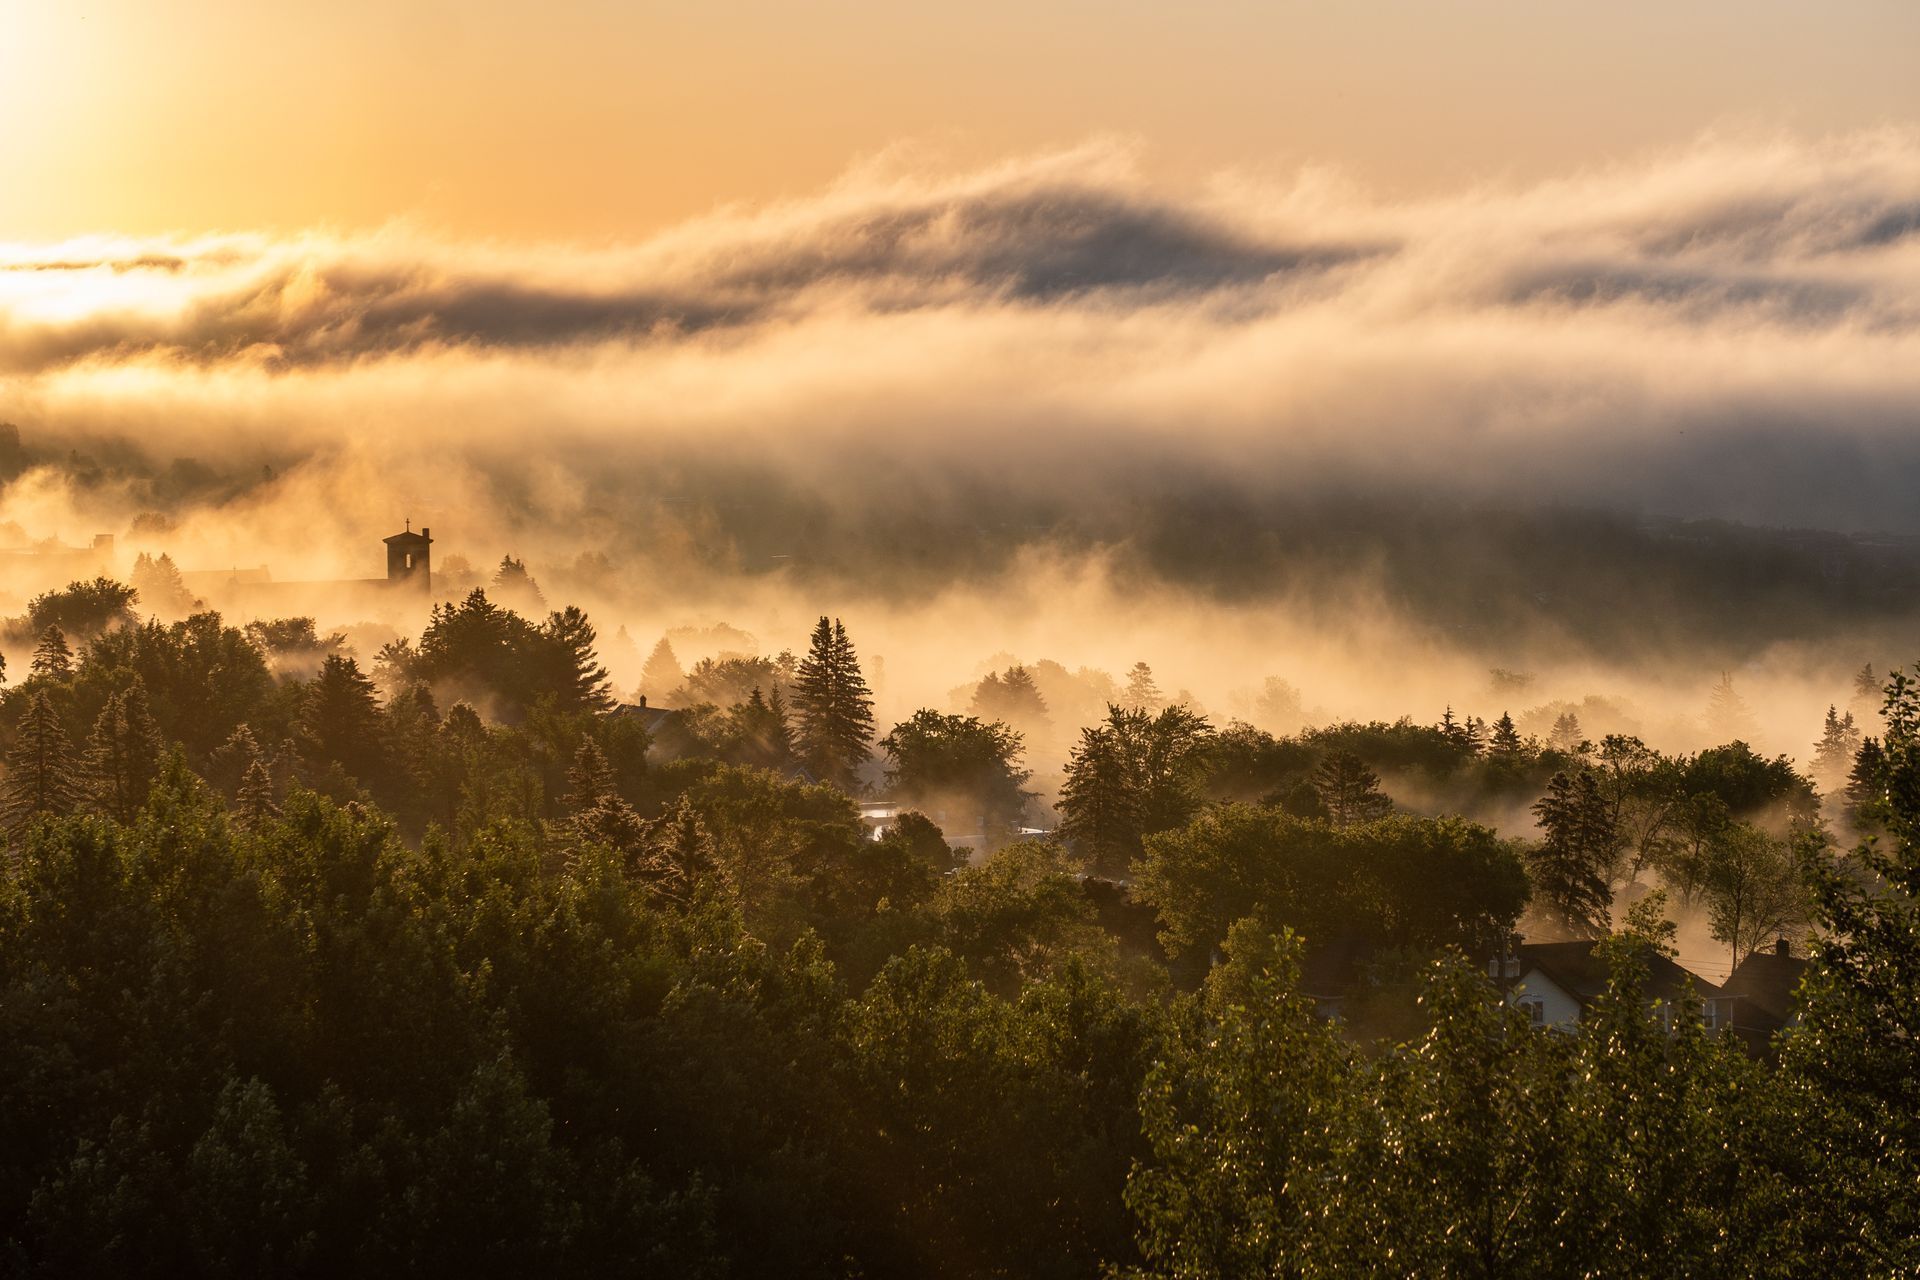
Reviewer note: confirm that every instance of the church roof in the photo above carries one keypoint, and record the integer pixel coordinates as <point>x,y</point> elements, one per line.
<point>408,536</point>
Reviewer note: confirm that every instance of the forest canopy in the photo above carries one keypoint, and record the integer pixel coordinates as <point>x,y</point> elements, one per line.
<point>461,963</point>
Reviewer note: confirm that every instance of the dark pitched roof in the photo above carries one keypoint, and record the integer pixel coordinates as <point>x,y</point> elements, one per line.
<point>409,536</point>
<point>1763,988</point>
<point>1580,970</point>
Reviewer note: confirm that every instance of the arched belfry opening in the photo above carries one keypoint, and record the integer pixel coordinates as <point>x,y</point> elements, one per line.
<point>410,558</point>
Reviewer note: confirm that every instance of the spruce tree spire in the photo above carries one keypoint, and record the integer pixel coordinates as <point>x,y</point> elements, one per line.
<point>833,705</point>
<point>662,677</point>
<point>123,753</point>
<point>41,773</point>
<point>255,803</point>
<point>52,658</point>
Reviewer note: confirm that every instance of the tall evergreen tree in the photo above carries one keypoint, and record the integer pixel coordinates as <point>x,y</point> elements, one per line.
<point>1866,783</point>
<point>123,753</point>
<point>833,705</point>
<point>662,676</point>
<point>515,588</point>
<point>1569,866</point>
<point>162,589</point>
<point>341,723</point>
<point>1859,1039</point>
<point>255,802</point>
<point>1143,692</point>
<point>227,765</point>
<point>52,658</point>
<point>1566,735</point>
<point>760,732</point>
<point>589,777</point>
<point>42,776</point>
<point>1133,776</point>
<point>1101,805</point>
<point>1729,718</point>
<point>581,681</point>
<point>1868,695</point>
<point>1504,744</point>
<point>1013,698</point>
<point>1833,755</point>
<point>1349,790</point>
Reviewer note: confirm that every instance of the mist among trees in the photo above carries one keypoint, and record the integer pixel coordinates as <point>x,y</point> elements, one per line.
<point>463,959</point>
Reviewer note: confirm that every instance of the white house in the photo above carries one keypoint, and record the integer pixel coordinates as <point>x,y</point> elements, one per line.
<point>1555,983</point>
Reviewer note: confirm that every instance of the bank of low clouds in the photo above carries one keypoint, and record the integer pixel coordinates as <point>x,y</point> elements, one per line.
<point>1731,329</point>
<point>955,370</point>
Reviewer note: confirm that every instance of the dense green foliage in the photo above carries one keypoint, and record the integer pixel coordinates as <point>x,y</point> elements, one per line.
<point>457,971</point>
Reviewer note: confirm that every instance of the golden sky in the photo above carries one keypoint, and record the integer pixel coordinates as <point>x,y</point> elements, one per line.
<point>599,119</point>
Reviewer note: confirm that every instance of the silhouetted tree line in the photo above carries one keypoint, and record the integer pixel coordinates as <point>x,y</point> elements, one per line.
<point>461,972</point>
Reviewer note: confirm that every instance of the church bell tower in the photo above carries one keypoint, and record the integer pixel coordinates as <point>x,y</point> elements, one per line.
<point>410,559</point>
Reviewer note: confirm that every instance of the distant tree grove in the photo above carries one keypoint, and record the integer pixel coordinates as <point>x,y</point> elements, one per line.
<point>453,964</point>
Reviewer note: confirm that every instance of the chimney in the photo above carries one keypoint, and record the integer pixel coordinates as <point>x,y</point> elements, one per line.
<point>1781,947</point>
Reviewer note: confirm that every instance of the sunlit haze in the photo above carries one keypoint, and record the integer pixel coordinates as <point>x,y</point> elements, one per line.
<point>982,640</point>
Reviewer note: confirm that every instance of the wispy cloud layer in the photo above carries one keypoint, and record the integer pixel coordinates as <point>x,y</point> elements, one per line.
<point>1732,329</point>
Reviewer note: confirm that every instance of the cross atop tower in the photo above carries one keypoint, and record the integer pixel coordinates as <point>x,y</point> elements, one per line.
<point>410,558</point>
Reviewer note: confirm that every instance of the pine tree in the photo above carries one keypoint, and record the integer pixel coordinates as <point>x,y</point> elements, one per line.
<point>1729,719</point>
<point>341,724</point>
<point>1143,693</point>
<point>1473,734</point>
<point>833,706</point>
<point>1834,754</point>
<point>42,775</point>
<point>662,677</point>
<point>1859,1039</point>
<point>1102,806</point>
<point>123,753</point>
<point>283,766</point>
<point>760,732</point>
<point>514,588</point>
<point>255,802</point>
<point>610,821</point>
<point>676,852</point>
<point>1569,866</point>
<point>162,588</point>
<point>52,658</point>
<point>227,766</point>
<point>1349,790</point>
<point>1012,698</point>
<point>782,719</point>
<point>1566,735</point>
<point>1866,783</point>
<point>1505,743</point>
<point>581,679</point>
<point>590,777</point>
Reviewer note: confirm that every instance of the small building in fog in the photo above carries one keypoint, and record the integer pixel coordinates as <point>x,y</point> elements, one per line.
<point>1555,983</point>
<point>1763,995</point>
<point>407,586</point>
